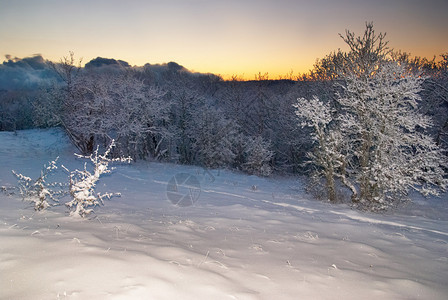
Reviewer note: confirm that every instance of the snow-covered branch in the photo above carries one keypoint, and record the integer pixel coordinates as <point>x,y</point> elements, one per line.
<point>39,191</point>
<point>82,183</point>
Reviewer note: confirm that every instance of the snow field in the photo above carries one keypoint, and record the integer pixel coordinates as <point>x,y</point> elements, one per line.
<point>244,238</point>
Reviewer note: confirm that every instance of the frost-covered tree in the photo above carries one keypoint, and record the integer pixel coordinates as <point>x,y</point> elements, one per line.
<point>116,106</point>
<point>68,69</point>
<point>214,137</point>
<point>377,144</point>
<point>388,137</point>
<point>435,91</point>
<point>48,107</point>
<point>258,157</point>
<point>326,156</point>
<point>187,105</point>
<point>140,115</point>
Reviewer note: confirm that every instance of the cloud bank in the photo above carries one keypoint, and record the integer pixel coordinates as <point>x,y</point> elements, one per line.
<point>25,73</point>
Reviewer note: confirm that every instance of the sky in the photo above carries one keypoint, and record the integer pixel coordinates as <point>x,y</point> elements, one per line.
<point>225,37</point>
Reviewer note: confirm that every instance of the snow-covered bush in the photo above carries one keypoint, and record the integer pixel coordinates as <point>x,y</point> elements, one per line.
<point>258,157</point>
<point>82,183</point>
<point>81,187</point>
<point>139,112</point>
<point>47,107</point>
<point>213,138</point>
<point>117,106</point>
<point>97,104</point>
<point>40,191</point>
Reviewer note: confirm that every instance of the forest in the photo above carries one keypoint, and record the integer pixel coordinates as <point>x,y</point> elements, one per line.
<point>371,121</point>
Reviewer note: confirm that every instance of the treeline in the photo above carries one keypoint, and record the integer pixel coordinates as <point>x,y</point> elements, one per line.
<point>167,113</point>
<point>164,112</point>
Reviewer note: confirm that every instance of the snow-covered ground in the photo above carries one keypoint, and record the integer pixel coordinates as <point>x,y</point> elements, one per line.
<point>244,238</point>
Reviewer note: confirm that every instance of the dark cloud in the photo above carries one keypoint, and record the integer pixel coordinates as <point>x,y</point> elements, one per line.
<point>36,62</point>
<point>25,73</point>
<point>172,71</point>
<point>101,62</point>
<point>167,67</point>
<point>160,73</point>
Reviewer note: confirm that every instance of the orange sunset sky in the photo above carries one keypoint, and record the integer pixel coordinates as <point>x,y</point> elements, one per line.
<point>223,37</point>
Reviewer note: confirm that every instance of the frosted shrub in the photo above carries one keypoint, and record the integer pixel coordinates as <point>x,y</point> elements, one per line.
<point>258,157</point>
<point>40,191</point>
<point>138,112</point>
<point>214,138</point>
<point>82,183</point>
